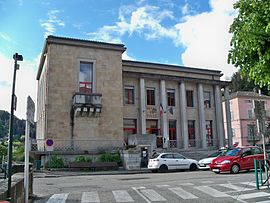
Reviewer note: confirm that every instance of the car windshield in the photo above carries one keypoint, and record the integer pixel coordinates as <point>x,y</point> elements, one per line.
<point>233,152</point>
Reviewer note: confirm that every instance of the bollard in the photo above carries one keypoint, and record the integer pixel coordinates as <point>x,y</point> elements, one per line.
<point>256,174</point>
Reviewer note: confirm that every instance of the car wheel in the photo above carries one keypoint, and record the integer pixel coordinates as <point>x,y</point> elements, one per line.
<point>163,168</point>
<point>193,167</point>
<point>235,168</point>
<point>154,171</point>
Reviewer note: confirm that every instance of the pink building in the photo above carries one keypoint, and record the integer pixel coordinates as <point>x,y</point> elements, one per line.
<point>243,120</point>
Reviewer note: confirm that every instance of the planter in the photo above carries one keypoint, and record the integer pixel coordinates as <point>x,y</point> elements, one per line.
<point>79,164</point>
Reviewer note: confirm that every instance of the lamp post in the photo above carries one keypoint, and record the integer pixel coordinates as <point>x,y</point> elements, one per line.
<point>16,58</point>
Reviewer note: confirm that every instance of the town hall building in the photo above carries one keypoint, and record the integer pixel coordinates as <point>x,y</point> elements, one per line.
<point>89,98</point>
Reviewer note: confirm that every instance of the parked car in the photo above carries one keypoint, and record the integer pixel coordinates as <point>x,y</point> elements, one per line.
<point>239,158</point>
<point>171,161</point>
<point>203,164</point>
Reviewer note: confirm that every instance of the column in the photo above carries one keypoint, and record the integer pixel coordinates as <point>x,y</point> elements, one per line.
<point>164,115</point>
<point>142,107</point>
<point>201,116</point>
<point>228,116</point>
<point>183,115</point>
<point>219,117</point>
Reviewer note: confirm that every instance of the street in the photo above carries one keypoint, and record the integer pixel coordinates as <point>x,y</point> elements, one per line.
<point>197,186</point>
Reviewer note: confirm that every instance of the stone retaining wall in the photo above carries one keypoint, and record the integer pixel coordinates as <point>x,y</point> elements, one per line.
<point>17,188</point>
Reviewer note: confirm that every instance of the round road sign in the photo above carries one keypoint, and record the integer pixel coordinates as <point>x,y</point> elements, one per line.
<point>49,142</point>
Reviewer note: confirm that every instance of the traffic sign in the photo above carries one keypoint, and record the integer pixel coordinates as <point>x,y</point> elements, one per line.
<point>49,144</point>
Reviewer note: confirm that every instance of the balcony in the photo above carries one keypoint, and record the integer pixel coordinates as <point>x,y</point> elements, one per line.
<point>87,102</point>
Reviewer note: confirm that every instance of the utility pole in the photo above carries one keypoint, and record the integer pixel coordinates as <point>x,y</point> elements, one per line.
<point>16,58</point>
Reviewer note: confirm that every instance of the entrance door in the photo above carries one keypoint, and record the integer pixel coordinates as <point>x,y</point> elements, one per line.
<point>144,157</point>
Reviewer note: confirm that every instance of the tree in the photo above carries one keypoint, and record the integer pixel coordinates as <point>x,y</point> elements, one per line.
<point>250,43</point>
<point>240,83</point>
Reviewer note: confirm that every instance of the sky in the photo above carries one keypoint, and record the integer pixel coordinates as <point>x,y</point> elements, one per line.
<point>192,33</point>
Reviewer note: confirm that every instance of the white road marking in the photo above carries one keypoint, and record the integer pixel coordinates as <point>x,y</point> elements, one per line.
<point>152,195</point>
<point>58,198</point>
<point>266,201</point>
<point>136,190</point>
<point>122,196</point>
<point>182,193</point>
<point>235,187</point>
<point>211,191</point>
<point>186,184</point>
<point>162,185</point>
<point>90,197</point>
<point>253,184</point>
<point>252,195</point>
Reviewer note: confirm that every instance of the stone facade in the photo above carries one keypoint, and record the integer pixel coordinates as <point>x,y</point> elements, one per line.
<point>58,78</point>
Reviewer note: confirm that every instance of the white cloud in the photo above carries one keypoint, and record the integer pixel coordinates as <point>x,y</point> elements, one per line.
<point>125,56</point>
<point>145,20</point>
<point>26,84</point>
<point>207,39</point>
<point>52,22</point>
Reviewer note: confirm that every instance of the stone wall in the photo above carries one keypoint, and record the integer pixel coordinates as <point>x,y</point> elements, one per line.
<point>17,188</point>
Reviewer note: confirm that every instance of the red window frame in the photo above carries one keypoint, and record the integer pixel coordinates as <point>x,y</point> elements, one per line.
<point>171,97</point>
<point>130,95</point>
<point>190,102</point>
<point>150,96</point>
<point>84,87</point>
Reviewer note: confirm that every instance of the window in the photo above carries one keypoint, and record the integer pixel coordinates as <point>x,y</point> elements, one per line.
<point>152,127</point>
<point>167,156</point>
<point>191,133</point>
<point>256,150</point>
<point>172,133</point>
<point>178,156</point>
<point>209,133</point>
<point>129,96</point>
<point>150,93</point>
<point>250,114</point>
<point>189,95</point>
<point>207,99</point>
<point>129,127</point>
<point>251,131</point>
<point>86,77</point>
<point>171,97</point>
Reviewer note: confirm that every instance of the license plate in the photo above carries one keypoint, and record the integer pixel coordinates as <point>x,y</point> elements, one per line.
<point>202,164</point>
<point>215,170</point>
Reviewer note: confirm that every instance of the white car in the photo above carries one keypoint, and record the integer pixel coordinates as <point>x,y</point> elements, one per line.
<point>171,161</point>
<point>203,164</point>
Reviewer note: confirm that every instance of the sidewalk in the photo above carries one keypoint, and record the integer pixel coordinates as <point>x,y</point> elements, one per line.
<point>53,173</point>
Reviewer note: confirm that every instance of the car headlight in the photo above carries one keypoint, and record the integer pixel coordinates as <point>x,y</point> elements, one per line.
<point>225,162</point>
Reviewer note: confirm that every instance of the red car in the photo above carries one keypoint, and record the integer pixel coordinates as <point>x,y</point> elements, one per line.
<point>239,158</point>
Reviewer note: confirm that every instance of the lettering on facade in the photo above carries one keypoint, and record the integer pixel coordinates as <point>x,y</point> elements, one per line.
<point>151,112</point>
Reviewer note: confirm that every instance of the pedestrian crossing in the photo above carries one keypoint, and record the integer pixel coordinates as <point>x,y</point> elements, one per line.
<point>244,192</point>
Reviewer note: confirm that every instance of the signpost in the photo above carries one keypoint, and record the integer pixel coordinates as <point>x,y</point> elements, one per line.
<point>30,117</point>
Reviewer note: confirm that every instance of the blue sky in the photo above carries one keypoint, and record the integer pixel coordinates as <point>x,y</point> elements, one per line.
<point>185,32</point>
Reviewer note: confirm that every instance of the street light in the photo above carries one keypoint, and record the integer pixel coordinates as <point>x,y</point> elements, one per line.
<point>16,58</point>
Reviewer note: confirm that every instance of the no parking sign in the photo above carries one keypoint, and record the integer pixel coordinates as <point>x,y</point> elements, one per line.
<point>49,145</point>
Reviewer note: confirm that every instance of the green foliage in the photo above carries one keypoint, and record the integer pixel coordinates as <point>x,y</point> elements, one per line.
<point>81,159</point>
<point>242,83</point>
<point>3,151</point>
<point>106,157</point>
<point>18,151</point>
<point>57,162</point>
<point>251,40</point>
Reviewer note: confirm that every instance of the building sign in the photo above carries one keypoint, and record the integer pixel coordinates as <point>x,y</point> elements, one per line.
<point>151,112</point>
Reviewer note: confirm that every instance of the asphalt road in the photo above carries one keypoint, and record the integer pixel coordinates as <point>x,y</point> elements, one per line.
<point>197,186</point>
